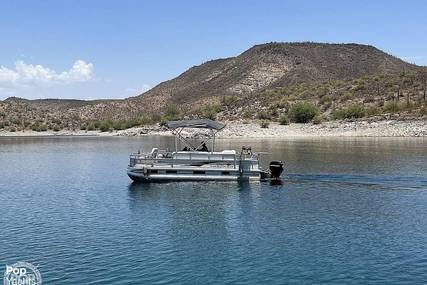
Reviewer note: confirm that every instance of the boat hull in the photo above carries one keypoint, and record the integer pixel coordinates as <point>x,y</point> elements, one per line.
<point>138,176</point>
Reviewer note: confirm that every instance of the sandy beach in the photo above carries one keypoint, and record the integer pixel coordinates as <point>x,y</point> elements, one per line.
<point>236,129</point>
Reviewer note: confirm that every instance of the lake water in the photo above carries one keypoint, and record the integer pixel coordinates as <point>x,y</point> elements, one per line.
<point>349,211</point>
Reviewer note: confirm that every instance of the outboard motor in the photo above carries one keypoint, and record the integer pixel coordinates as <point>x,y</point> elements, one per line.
<point>276,168</point>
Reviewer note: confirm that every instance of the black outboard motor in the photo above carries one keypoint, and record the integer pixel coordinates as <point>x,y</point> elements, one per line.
<point>276,168</point>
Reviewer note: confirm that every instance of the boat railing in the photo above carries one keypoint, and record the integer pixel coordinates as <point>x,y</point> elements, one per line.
<point>192,158</point>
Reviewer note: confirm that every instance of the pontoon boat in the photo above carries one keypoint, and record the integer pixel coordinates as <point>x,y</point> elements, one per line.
<point>198,162</point>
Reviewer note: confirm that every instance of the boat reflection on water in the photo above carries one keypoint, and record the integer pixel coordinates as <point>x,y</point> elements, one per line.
<point>276,182</point>
<point>241,185</point>
<point>171,193</point>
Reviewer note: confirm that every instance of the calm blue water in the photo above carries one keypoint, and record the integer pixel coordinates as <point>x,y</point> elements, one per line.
<point>349,211</point>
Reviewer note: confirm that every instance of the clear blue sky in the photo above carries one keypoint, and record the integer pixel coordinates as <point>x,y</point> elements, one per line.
<point>114,49</point>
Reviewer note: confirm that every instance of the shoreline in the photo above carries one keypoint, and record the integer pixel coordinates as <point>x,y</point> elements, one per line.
<point>253,130</point>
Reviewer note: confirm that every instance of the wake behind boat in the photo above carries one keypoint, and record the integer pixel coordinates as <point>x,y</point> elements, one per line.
<point>190,162</point>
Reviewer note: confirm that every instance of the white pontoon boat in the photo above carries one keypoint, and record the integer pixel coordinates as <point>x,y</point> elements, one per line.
<point>198,162</point>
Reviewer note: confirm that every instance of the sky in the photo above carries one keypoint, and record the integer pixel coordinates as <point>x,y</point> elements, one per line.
<point>116,49</point>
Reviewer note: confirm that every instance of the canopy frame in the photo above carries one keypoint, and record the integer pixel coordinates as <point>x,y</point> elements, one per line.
<point>178,126</point>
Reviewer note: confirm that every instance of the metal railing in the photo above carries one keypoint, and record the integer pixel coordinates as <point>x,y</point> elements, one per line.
<point>193,159</point>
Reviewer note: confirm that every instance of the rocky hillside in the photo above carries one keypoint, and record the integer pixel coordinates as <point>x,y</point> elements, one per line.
<point>262,83</point>
<point>274,65</point>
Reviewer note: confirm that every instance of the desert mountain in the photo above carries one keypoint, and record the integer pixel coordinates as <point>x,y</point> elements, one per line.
<point>263,77</point>
<point>272,65</point>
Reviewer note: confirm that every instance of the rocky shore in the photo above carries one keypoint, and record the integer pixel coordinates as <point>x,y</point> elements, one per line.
<point>238,129</point>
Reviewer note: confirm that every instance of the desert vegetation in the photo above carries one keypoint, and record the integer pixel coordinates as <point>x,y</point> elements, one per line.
<point>394,95</point>
<point>303,112</point>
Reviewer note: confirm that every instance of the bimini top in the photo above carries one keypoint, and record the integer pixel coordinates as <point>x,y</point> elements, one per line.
<point>200,124</point>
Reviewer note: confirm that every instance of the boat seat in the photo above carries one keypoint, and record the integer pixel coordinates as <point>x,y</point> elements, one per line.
<point>229,151</point>
<point>198,155</point>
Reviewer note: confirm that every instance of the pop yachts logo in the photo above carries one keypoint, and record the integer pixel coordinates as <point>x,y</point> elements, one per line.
<point>22,273</point>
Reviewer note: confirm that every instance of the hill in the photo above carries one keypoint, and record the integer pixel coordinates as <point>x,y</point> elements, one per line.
<point>262,82</point>
<point>274,65</point>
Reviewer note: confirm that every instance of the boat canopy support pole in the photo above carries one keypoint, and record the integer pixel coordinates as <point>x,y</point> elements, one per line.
<point>213,141</point>
<point>178,136</point>
<point>176,143</point>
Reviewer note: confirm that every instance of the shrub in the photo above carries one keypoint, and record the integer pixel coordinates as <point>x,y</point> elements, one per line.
<point>317,119</point>
<point>248,114</point>
<point>90,127</point>
<point>408,106</point>
<point>325,99</point>
<point>56,128</point>
<point>263,115</point>
<point>360,87</point>
<point>352,112</point>
<point>391,107</point>
<point>346,96</point>
<point>122,125</point>
<point>131,123</point>
<point>39,128</point>
<point>43,128</point>
<point>118,125</point>
<point>144,120</point>
<point>284,120</point>
<point>264,124</point>
<point>172,113</point>
<point>273,111</point>
<point>373,111</point>
<point>229,100</point>
<point>303,112</point>
<point>326,105</point>
<point>56,121</point>
<point>210,111</point>
<point>283,104</point>
<point>15,121</point>
<point>105,126</point>
<point>155,118</point>
<point>12,129</point>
